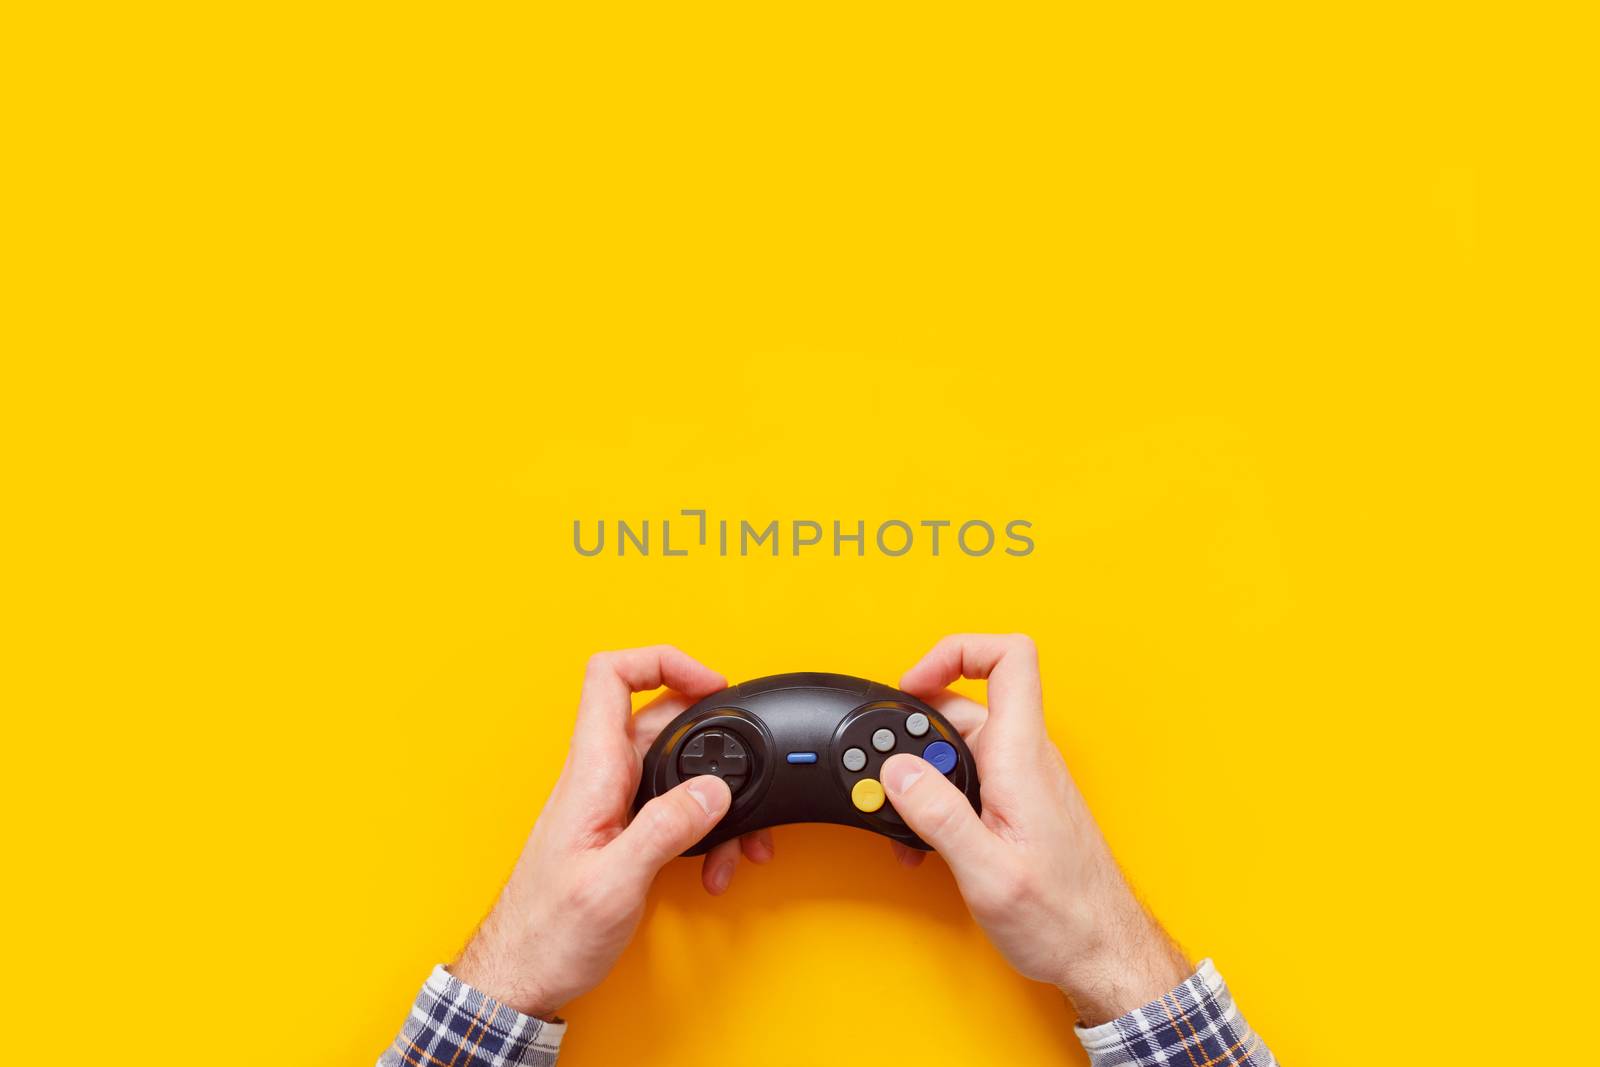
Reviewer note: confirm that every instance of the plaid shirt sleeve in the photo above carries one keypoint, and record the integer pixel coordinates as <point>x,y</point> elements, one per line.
<point>453,1025</point>
<point>1195,1025</point>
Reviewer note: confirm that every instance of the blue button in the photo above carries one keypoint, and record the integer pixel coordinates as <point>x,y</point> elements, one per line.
<point>942,755</point>
<point>808,757</point>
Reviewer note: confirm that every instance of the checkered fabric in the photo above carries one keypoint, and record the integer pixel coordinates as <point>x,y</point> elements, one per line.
<point>1195,1025</point>
<point>453,1025</point>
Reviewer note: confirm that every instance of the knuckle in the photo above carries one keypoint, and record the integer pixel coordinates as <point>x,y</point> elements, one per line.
<point>1022,643</point>
<point>671,820</point>
<point>944,819</point>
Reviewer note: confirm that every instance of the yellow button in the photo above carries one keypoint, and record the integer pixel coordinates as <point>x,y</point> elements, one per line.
<point>867,794</point>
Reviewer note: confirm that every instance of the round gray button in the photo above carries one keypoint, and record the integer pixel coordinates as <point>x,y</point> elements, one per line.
<point>854,759</point>
<point>883,740</point>
<point>917,725</point>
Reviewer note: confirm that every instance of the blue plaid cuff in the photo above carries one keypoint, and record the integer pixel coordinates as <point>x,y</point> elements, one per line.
<point>453,1025</point>
<point>1195,1025</point>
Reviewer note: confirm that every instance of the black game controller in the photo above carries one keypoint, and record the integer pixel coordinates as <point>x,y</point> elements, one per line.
<point>805,748</point>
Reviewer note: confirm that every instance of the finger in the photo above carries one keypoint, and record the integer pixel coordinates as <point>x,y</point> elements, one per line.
<point>965,714</point>
<point>906,855</point>
<point>939,814</point>
<point>757,847</point>
<point>650,720</point>
<point>605,705</point>
<point>1009,662</point>
<point>668,825</point>
<point>716,873</point>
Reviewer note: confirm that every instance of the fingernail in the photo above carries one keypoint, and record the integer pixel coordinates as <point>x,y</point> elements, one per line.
<point>901,774</point>
<point>721,877</point>
<point>698,791</point>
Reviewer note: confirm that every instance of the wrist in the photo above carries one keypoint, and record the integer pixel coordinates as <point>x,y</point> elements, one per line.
<point>1133,963</point>
<point>514,991</point>
<point>495,968</point>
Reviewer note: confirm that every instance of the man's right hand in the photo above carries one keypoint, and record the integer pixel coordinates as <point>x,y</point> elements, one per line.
<point>1034,869</point>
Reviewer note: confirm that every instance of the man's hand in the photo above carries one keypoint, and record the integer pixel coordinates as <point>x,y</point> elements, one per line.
<point>578,889</point>
<point>1035,870</point>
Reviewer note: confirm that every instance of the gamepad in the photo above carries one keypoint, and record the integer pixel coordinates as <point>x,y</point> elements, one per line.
<point>805,748</point>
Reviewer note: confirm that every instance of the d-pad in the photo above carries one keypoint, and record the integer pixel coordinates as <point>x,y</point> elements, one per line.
<point>716,752</point>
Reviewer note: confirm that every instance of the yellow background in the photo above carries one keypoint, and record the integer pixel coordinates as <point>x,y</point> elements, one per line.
<point>324,322</point>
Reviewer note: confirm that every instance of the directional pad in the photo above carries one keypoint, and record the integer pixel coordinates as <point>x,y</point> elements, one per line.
<point>717,752</point>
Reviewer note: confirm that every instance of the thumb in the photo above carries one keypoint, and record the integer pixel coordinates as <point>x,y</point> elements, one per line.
<point>670,823</point>
<point>939,813</point>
